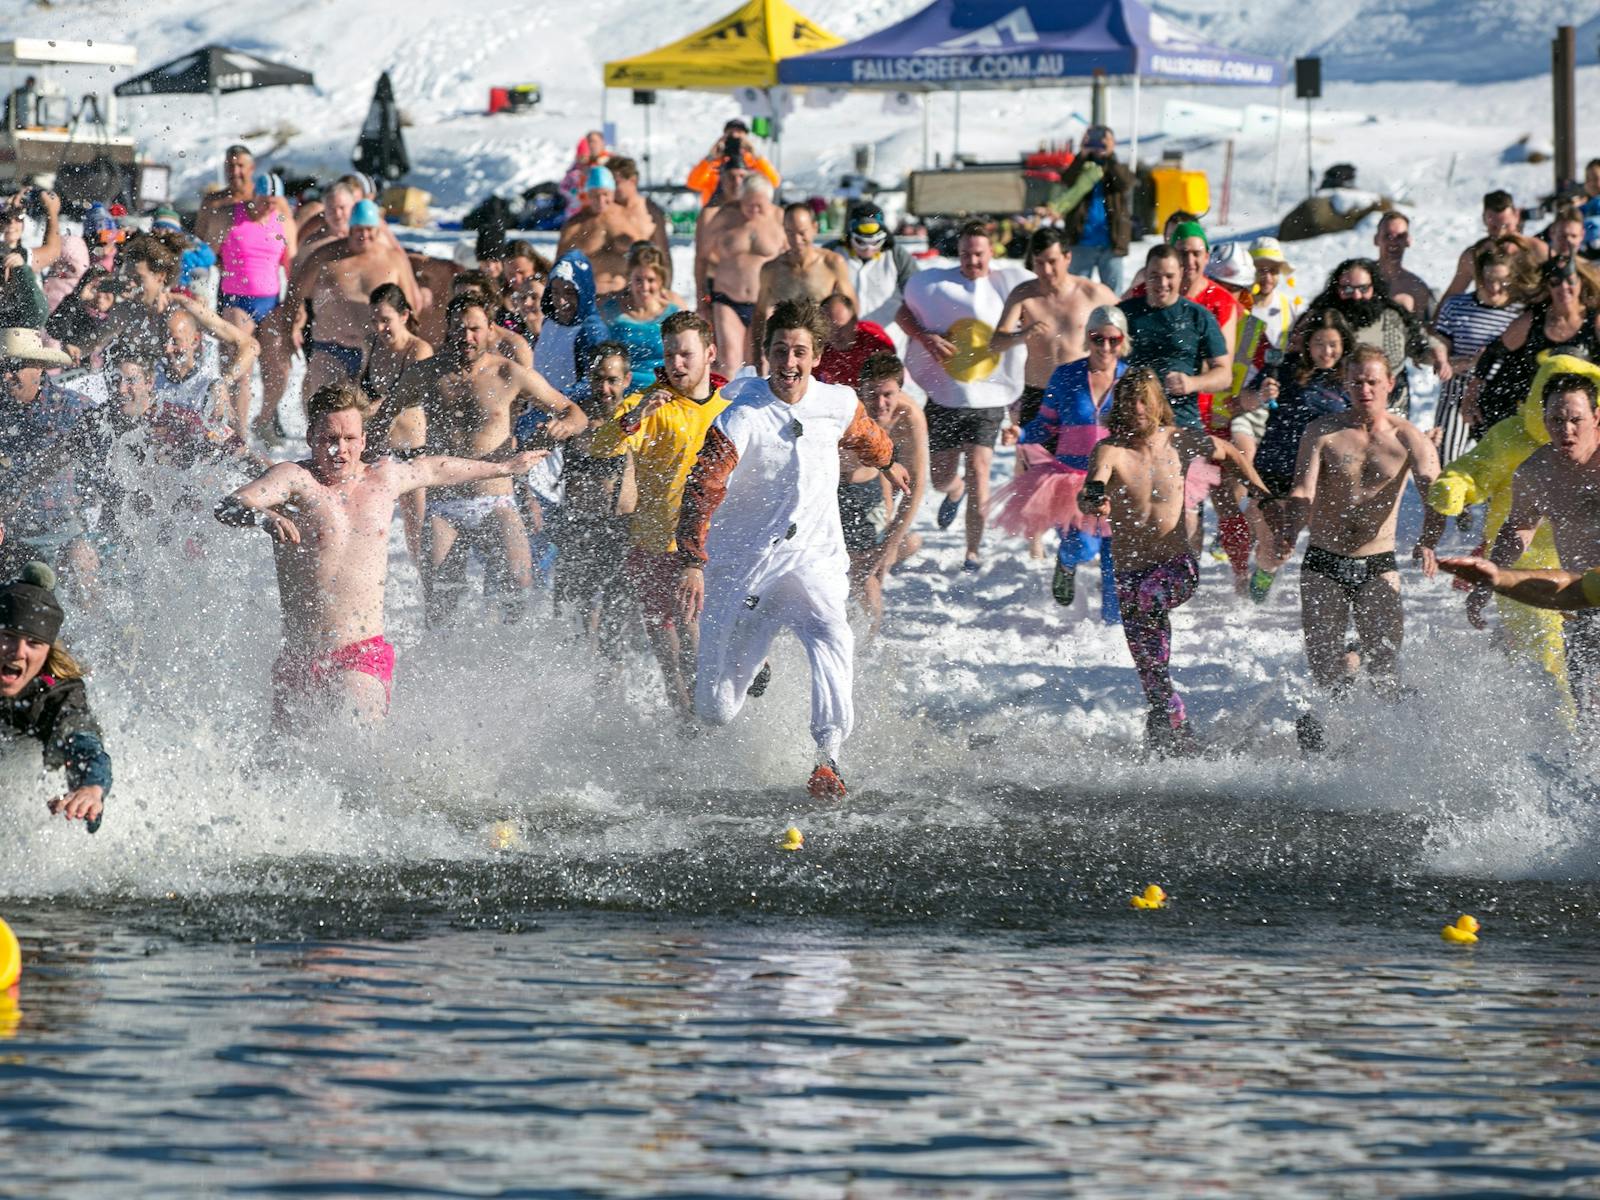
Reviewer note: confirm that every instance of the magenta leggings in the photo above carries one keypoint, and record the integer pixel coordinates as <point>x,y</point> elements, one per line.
<point>1146,598</point>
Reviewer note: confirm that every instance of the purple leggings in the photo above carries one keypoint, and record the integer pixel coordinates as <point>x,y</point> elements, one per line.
<point>1146,597</point>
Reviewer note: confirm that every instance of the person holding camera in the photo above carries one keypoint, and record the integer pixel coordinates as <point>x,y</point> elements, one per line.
<point>732,150</point>
<point>1095,201</point>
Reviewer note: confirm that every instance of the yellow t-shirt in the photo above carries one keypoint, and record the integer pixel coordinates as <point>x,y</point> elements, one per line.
<point>664,449</point>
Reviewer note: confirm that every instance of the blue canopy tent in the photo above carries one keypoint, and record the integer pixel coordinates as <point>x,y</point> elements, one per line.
<point>956,45</point>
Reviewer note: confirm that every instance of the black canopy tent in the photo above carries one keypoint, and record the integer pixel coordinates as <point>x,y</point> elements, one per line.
<point>213,70</point>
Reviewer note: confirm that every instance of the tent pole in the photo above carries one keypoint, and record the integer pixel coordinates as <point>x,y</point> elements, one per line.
<point>216,128</point>
<point>955,147</point>
<point>1277,145</point>
<point>926,161</point>
<point>1133,146</point>
<point>777,132</point>
<point>605,97</point>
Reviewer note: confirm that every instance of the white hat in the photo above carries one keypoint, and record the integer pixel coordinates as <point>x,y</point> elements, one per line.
<point>1231,264</point>
<point>1267,249</point>
<point>25,345</point>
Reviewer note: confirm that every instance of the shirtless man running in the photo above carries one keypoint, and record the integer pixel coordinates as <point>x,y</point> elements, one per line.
<point>1048,315</point>
<point>339,281</point>
<point>1144,462</point>
<point>877,547</point>
<point>467,395</point>
<point>1560,483</point>
<point>804,271</point>
<point>645,212</point>
<point>1349,478</point>
<point>1407,288</point>
<point>603,230</point>
<point>332,555</point>
<point>739,239</point>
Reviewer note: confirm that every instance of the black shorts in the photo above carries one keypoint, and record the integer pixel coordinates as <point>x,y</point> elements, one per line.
<point>862,515</point>
<point>954,428</point>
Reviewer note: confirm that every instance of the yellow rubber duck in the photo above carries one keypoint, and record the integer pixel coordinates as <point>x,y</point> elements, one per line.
<point>10,958</point>
<point>504,835</point>
<point>1463,933</point>
<point>793,839</point>
<point>1153,897</point>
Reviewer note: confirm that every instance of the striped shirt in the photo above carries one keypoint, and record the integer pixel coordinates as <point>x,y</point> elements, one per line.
<point>1471,326</point>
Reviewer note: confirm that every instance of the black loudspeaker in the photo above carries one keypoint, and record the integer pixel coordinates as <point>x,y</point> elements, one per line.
<point>644,97</point>
<point>1308,79</point>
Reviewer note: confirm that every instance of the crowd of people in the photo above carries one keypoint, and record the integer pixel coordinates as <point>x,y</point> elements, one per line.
<point>713,468</point>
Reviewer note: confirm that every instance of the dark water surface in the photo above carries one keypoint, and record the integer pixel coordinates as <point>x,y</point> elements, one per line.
<point>906,1008</point>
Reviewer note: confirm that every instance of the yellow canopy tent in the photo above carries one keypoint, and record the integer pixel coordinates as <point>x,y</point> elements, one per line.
<point>739,51</point>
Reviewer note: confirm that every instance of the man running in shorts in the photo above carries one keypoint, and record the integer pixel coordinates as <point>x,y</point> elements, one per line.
<point>737,241</point>
<point>759,536</point>
<point>804,271</point>
<point>603,230</point>
<point>1560,484</point>
<point>466,395</point>
<point>877,527</point>
<point>1136,480</point>
<point>333,555</point>
<point>1047,315</point>
<point>950,315</point>
<point>339,281</point>
<point>1349,479</point>
<point>664,428</point>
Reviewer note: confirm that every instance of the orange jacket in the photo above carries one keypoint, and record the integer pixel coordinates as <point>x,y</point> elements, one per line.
<point>707,174</point>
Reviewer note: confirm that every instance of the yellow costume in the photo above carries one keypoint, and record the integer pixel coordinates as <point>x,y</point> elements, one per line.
<point>1484,474</point>
<point>664,448</point>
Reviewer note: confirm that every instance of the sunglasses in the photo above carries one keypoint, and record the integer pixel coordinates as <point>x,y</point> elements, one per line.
<point>1106,339</point>
<point>1355,289</point>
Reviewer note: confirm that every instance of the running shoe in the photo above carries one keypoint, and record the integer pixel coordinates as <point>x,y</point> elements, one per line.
<point>758,685</point>
<point>1065,584</point>
<point>1260,584</point>
<point>826,783</point>
<point>948,509</point>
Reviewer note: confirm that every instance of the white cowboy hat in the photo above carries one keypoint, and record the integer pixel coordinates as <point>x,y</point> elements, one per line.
<point>25,345</point>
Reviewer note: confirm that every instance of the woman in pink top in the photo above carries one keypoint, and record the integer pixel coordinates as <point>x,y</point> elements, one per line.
<point>252,229</point>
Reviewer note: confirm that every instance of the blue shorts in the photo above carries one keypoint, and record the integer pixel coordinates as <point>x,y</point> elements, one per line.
<point>256,307</point>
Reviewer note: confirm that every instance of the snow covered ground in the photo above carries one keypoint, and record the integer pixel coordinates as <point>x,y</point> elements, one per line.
<point>977,679</point>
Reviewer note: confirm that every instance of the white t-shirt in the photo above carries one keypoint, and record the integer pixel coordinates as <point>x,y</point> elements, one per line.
<point>945,301</point>
<point>782,504</point>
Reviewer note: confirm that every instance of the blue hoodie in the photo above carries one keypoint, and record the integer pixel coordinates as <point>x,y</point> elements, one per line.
<point>562,352</point>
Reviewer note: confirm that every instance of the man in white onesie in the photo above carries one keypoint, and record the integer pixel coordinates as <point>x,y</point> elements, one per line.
<point>759,534</point>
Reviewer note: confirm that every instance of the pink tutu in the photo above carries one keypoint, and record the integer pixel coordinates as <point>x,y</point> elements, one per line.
<point>1197,484</point>
<point>1042,498</point>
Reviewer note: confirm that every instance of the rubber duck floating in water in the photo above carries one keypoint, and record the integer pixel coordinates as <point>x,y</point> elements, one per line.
<point>10,958</point>
<point>1463,933</point>
<point>1153,897</point>
<point>792,839</point>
